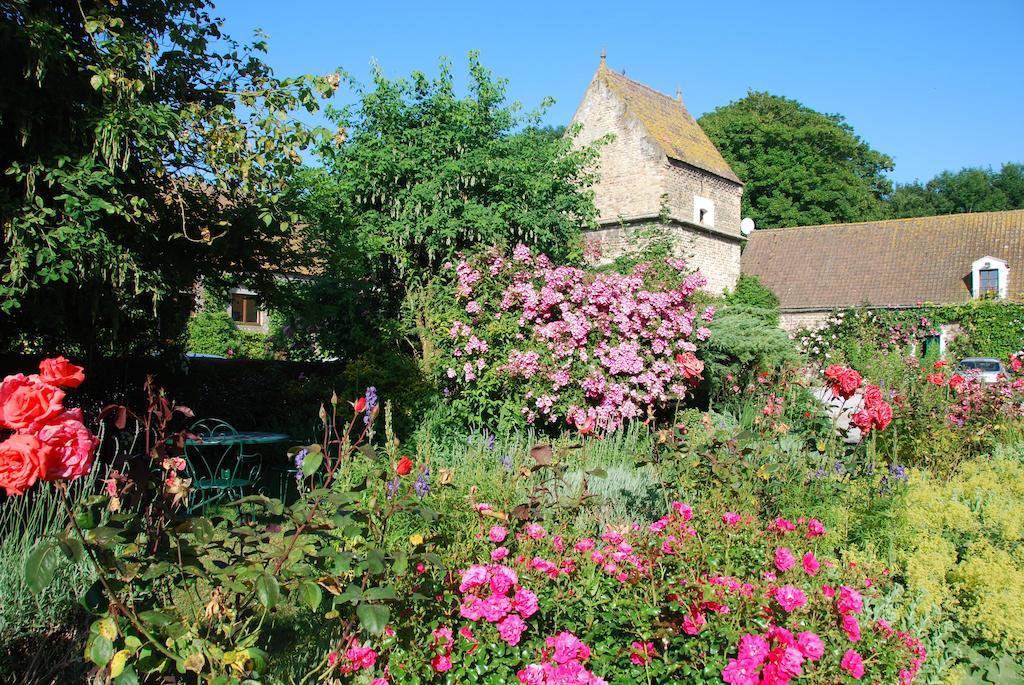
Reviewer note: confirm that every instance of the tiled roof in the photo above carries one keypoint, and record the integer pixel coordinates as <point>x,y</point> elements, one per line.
<point>669,124</point>
<point>901,262</point>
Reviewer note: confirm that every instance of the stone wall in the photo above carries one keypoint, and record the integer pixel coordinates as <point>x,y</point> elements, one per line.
<point>717,257</point>
<point>791,322</point>
<point>682,182</point>
<point>631,181</point>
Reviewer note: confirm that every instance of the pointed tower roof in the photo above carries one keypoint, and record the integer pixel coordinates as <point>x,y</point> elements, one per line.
<point>668,122</point>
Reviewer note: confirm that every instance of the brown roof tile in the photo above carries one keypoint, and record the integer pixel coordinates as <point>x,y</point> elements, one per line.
<point>669,124</point>
<point>900,262</point>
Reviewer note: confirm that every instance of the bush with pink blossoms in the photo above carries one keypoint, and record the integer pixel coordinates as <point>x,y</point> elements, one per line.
<point>526,341</point>
<point>690,597</point>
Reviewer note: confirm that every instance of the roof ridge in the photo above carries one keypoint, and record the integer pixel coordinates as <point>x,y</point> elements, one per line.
<point>616,74</point>
<point>887,221</point>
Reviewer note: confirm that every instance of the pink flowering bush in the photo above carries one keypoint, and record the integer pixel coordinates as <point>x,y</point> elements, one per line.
<point>719,597</point>
<point>523,340</point>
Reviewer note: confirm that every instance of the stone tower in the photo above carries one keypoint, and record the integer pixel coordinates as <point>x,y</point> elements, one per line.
<point>660,170</point>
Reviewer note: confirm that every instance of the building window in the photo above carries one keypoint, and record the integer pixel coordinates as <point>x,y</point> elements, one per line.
<point>989,282</point>
<point>703,211</point>
<point>245,309</point>
<point>990,277</point>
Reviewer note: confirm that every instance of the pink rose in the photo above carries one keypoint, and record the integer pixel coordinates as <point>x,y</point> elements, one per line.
<point>851,627</point>
<point>784,559</point>
<point>73,446</point>
<point>790,598</point>
<point>853,664</point>
<point>525,602</point>
<point>26,402</point>
<point>60,372</point>
<point>23,461</point>
<point>811,564</point>
<point>511,628</point>
<point>731,518</point>
<point>499,553</point>
<point>498,534</point>
<point>810,645</point>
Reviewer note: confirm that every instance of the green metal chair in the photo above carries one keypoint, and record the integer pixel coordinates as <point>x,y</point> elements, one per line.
<point>215,463</point>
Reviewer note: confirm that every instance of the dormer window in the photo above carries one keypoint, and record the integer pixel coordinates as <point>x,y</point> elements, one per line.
<point>989,278</point>
<point>703,211</point>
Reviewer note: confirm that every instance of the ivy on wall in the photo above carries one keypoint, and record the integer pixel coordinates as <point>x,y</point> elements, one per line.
<point>987,328</point>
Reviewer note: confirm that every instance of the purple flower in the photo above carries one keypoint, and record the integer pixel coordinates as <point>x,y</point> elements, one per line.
<point>392,488</point>
<point>422,484</point>
<point>300,458</point>
<point>506,461</point>
<point>371,402</point>
<point>490,441</point>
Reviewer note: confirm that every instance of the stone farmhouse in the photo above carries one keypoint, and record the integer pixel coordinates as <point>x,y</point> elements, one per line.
<point>949,259</point>
<point>660,170</point>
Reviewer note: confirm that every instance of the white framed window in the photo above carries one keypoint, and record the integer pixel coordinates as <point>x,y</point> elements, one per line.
<point>703,211</point>
<point>989,278</point>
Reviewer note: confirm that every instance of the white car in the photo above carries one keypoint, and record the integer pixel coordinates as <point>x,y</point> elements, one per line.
<point>985,369</point>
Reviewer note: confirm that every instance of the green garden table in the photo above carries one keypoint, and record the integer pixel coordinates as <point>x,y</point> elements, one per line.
<point>230,473</point>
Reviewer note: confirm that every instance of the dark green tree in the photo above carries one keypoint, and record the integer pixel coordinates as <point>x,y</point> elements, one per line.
<point>967,190</point>
<point>799,166</point>
<point>419,173</point>
<point>143,151</point>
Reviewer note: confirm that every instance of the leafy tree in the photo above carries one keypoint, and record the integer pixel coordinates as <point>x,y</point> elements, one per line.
<point>143,151</point>
<point>418,173</point>
<point>799,166</point>
<point>750,291</point>
<point>967,190</point>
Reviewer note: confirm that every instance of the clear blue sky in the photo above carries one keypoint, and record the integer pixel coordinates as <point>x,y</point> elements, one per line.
<point>935,84</point>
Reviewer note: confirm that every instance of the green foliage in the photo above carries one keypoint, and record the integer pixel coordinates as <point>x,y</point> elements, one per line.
<point>984,328</point>
<point>211,331</point>
<point>143,149</point>
<point>967,190</point>
<point>800,167</point>
<point>745,340</point>
<point>419,173</point>
<point>30,612</point>
<point>750,292</point>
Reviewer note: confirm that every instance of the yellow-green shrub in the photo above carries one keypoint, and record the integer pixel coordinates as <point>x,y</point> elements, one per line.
<point>963,552</point>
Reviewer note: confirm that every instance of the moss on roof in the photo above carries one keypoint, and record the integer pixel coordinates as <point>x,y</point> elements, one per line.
<point>669,124</point>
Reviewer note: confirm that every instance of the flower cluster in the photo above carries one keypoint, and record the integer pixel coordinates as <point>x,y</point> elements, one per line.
<point>562,664</point>
<point>774,658</point>
<point>492,593</point>
<point>592,350</point>
<point>50,442</point>
<point>875,412</point>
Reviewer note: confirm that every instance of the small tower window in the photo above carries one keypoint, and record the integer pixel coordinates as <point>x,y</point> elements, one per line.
<point>703,211</point>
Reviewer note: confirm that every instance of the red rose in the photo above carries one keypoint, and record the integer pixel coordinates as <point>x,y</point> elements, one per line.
<point>881,415</point>
<point>690,365</point>
<point>73,446</point>
<point>404,466</point>
<point>956,381</point>
<point>23,461</point>
<point>862,420</point>
<point>936,379</point>
<point>26,402</point>
<point>844,380</point>
<point>59,371</point>
<point>360,405</point>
